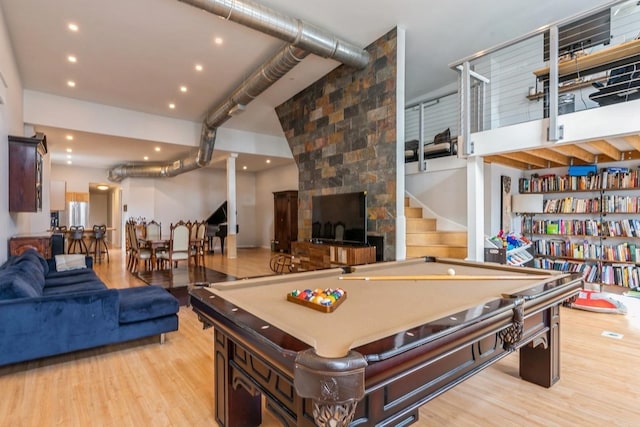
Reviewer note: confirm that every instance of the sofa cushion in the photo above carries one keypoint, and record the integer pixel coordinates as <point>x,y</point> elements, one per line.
<point>31,274</point>
<point>69,277</point>
<point>74,288</point>
<point>33,257</point>
<point>70,262</point>
<point>146,302</point>
<point>14,285</point>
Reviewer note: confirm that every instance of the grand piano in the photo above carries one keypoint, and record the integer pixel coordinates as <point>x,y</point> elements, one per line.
<point>217,227</point>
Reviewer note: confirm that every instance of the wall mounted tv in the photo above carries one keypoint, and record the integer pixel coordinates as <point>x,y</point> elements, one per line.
<point>340,218</point>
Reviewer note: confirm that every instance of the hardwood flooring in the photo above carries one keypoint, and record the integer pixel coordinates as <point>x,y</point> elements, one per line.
<point>143,383</point>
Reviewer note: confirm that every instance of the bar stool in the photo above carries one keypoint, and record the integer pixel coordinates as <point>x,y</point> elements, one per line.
<point>99,243</point>
<point>76,242</point>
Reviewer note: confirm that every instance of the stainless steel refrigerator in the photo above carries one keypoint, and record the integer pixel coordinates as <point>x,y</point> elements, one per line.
<point>77,213</point>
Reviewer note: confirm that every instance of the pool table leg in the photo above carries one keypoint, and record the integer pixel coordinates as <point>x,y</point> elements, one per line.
<point>237,403</point>
<point>540,359</point>
<point>335,385</point>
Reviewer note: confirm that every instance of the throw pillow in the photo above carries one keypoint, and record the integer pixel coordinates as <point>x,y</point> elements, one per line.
<point>70,262</point>
<point>444,136</point>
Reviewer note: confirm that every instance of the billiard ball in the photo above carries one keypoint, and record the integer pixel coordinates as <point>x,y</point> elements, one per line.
<point>451,272</point>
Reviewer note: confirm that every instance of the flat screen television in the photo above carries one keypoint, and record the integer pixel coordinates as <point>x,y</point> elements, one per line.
<point>340,218</point>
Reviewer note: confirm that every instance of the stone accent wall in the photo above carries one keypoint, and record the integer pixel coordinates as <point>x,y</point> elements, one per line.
<point>342,133</point>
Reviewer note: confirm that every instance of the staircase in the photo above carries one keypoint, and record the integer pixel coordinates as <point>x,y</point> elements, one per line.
<point>423,238</point>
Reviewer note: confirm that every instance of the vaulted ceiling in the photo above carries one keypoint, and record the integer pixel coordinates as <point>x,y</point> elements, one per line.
<point>138,55</point>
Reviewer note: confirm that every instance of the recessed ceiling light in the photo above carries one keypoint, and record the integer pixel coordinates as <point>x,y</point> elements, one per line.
<point>71,83</point>
<point>68,156</point>
<point>172,105</point>
<point>268,160</point>
<point>218,40</point>
<point>69,150</point>
<point>244,168</point>
<point>183,88</point>
<point>69,137</point>
<point>69,162</point>
<point>72,59</point>
<point>157,148</point>
<point>103,187</point>
<point>198,67</point>
<point>145,158</point>
<point>73,27</point>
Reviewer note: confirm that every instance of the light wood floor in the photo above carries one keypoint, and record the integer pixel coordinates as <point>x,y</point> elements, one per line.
<point>143,383</point>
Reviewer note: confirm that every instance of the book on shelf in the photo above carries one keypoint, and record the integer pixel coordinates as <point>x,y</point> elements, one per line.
<point>607,178</point>
<point>583,243</point>
<point>624,275</point>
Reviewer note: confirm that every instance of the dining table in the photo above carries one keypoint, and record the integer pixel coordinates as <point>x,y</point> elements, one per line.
<point>154,244</point>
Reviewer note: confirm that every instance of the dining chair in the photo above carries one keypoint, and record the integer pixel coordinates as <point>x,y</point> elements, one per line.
<point>193,230</point>
<point>199,243</point>
<point>127,236</point>
<point>76,240</point>
<point>179,245</point>
<point>98,245</point>
<point>154,230</point>
<point>137,254</point>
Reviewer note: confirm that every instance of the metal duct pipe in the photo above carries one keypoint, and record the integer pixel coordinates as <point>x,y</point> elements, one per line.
<point>304,38</point>
<point>295,31</point>
<point>268,73</point>
<point>261,79</point>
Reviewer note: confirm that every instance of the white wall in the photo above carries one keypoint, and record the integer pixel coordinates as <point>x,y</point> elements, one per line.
<point>193,196</point>
<point>493,196</point>
<point>442,190</point>
<point>10,124</point>
<point>98,209</point>
<point>68,113</point>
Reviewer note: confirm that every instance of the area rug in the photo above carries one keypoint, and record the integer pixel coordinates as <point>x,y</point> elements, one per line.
<point>178,280</point>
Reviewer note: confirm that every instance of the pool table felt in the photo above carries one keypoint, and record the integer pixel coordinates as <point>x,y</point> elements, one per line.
<point>373,309</point>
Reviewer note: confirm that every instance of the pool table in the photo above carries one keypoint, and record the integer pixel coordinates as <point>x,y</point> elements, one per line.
<point>406,332</point>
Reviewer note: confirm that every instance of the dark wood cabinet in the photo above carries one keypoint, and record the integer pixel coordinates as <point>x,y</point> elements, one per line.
<point>316,256</point>
<point>39,242</point>
<point>25,172</point>
<point>285,220</point>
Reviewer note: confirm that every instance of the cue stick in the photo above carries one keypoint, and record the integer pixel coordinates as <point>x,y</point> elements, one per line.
<point>438,277</point>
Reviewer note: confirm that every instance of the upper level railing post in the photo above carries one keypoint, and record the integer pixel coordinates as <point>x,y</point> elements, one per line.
<point>555,132</point>
<point>465,109</point>
<point>422,164</point>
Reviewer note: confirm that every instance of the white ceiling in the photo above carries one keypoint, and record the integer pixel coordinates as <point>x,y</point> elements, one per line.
<point>136,55</point>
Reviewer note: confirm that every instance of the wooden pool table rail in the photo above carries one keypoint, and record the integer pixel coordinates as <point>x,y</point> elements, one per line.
<point>402,371</point>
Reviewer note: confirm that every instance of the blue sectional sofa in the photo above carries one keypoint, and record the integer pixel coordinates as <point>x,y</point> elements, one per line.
<point>44,311</point>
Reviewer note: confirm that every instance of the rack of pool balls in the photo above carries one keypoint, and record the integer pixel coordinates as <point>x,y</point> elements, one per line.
<point>325,300</point>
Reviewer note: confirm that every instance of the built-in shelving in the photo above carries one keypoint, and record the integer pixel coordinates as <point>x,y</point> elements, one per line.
<point>590,224</point>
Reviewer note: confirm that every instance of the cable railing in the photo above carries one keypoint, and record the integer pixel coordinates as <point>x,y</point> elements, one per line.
<point>580,63</point>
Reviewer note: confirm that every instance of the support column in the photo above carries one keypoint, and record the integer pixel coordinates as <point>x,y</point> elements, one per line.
<point>401,221</point>
<point>231,243</point>
<point>475,208</point>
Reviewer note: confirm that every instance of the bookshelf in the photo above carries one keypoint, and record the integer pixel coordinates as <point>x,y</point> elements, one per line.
<point>590,224</point>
